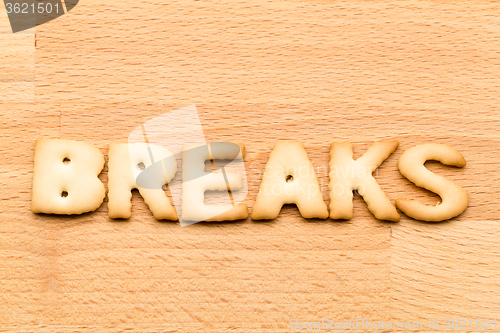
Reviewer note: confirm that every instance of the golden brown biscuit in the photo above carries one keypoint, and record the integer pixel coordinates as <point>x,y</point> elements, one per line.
<point>195,181</point>
<point>289,177</point>
<point>126,163</point>
<point>65,177</point>
<point>454,198</point>
<point>347,175</point>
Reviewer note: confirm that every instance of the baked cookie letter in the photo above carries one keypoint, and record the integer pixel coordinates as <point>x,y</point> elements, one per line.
<point>347,175</point>
<point>454,198</point>
<point>289,177</point>
<point>195,181</point>
<point>130,166</point>
<point>65,177</point>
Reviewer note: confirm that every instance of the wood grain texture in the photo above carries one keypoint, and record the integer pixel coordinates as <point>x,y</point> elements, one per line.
<point>17,62</point>
<point>314,71</point>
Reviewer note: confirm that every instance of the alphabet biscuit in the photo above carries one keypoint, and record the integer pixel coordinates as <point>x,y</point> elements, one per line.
<point>454,198</point>
<point>128,165</point>
<point>65,177</point>
<point>195,181</point>
<point>289,177</point>
<point>347,175</point>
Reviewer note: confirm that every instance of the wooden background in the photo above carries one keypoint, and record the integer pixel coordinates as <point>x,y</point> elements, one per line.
<point>315,71</point>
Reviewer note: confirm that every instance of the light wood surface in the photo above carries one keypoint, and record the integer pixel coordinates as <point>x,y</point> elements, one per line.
<point>17,62</point>
<point>314,71</point>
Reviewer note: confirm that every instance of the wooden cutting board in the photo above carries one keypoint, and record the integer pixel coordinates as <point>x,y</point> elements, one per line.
<point>314,71</point>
